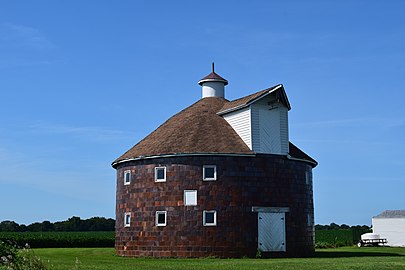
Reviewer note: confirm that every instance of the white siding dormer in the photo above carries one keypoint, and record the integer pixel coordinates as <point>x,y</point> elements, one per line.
<point>285,140</point>
<point>269,127</point>
<point>240,121</point>
<point>262,123</point>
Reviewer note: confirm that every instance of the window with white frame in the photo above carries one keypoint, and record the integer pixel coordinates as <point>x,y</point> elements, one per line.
<point>161,218</point>
<point>209,218</point>
<point>127,177</point>
<point>209,172</point>
<point>127,219</point>
<point>190,197</point>
<point>160,174</point>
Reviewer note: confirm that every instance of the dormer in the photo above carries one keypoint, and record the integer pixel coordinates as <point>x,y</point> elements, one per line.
<point>261,120</point>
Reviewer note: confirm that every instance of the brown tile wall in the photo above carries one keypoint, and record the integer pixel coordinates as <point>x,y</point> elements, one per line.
<point>242,182</point>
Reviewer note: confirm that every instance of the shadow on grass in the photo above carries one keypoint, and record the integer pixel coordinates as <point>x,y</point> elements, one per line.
<point>344,254</point>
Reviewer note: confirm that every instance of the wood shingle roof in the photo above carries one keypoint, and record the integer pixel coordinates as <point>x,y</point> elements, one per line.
<point>196,129</point>
<point>245,101</point>
<point>242,101</point>
<point>199,129</point>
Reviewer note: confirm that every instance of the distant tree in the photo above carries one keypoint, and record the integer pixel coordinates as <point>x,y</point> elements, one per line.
<point>34,227</point>
<point>321,227</point>
<point>361,228</point>
<point>72,224</point>
<point>9,226</point>
<point>47,226</point>
<point>23,228</point>
<point>334,226</point>
<point>91,224</point>
<point>75,224</point>
<point>100,224</point>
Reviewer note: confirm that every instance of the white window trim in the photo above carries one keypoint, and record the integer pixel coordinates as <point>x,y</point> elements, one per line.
<point>156,170</point>
<point>215,173</point>
<point>156,218</point>
<point>125,219</point>
<point>125,178</point>
<point>215,218</point>
<point>196,197</point>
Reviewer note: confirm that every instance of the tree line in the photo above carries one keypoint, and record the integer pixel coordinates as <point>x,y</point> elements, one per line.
<point>73,224</point>
<point>334,226</point>
<point>76,224</point>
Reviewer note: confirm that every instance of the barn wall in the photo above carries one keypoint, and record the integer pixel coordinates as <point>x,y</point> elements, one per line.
<point>391,228</point>
<point>242,182</point>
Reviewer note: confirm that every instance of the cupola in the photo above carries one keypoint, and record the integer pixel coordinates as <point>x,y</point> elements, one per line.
<point>213,85</point>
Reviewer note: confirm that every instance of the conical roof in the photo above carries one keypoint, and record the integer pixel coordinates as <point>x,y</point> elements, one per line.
<point>196,129</point>
<point>200,129</point>
<point>212,77</point>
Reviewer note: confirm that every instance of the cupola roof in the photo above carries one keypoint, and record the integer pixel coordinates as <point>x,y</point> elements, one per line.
<point>212,77</point>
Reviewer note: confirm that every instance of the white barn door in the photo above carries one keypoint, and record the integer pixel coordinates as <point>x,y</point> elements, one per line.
<point>271,232</point>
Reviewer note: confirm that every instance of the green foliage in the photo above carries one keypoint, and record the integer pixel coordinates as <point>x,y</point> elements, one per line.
<point>334,226</point>
<point>60,239</point>
<point>7,250</point>
<point>335,238</point>
<point>9,226</point>
<point>323,245</point>
<point>13,259</point>
<point>73,224</point>
<point>335,235</point>
<point>258,254</point>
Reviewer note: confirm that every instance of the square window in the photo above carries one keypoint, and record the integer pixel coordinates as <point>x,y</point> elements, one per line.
<point>127,177</point>
<point>210,218</point>
<point>209,172</point>
<point>190,197</point>
<point>160,174</point>
<point>127,219</point>
<point>161,218</point>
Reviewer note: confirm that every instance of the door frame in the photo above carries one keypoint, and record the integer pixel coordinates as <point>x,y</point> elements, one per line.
<point>262,209</point>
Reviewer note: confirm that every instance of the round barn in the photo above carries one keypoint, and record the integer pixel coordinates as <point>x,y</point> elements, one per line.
<point>219,178</point>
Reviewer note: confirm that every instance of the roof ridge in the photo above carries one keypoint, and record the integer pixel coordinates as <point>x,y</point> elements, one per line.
<point>246,99</point>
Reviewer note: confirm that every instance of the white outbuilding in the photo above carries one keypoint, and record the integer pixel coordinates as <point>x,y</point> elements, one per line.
<point>390,224</point>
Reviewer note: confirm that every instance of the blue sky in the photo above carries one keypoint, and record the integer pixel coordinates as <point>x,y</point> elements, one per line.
<point>83,81</point>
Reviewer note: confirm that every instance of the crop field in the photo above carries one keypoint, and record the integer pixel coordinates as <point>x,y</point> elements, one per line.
<point>60,239</point>
<point>383,258</point>
<point>335,237</point>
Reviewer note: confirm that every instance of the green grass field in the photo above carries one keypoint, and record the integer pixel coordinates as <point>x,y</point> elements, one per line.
<point>339,259</point>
